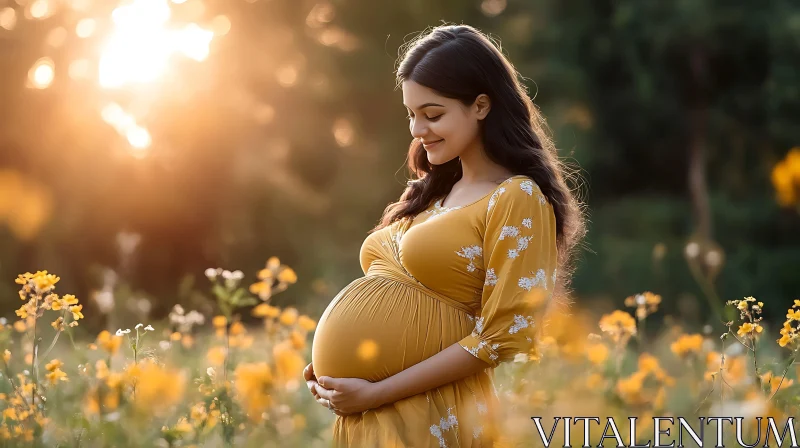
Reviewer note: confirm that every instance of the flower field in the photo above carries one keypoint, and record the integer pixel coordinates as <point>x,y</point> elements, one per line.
<point>196,380</point>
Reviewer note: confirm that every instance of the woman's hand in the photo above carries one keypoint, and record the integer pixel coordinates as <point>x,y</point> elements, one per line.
<point>350,395</point>
<point>314,387</point>
<point>311,380</point>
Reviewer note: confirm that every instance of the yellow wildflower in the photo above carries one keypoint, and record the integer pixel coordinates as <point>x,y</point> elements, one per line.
<point>183,426</point>
<point>287,275</point>
<point>262,289</point>
<point>101,369</point>
<point>22,312</point>
<point>648,363</point>
<point>306,323</point>
<point>619,325</point>
<point>219,321</point>
<point>774,381</point>
<point>748,329</point>
<point>216,355</point>
<point>6,356</point>
<point>274,271</point>
<point>253,383</point>
<point>23,279</point>
<point>595,381</point>
<point>65,302</point>
<point>288,316</point>
<point>785,178</point>
<point>56,375</point>
<point>236,329</point>
<point>44,282</point>
<point>187,341</point>
<point>687,344</point>
<point>630,388</point>
<point>10,413</point>
<point>790,332</point>
<point>288,362</point>
<point>76,312</point>
<point>53,365</point>
<point>646,303</point>
<point>298,340</point>
<point>742,305</point>
<point>264,310</point>
<point>157,388</point>
<point>597,353</point>
<point>108,342</point>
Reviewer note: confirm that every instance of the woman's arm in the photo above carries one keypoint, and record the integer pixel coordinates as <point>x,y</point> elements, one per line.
<point>352,395</point>
<point>447,366</point>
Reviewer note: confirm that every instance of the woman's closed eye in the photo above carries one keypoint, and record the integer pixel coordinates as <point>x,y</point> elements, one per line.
<point>429,118</point>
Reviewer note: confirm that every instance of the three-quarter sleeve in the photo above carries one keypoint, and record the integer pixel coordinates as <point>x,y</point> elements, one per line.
<point>520,263</point>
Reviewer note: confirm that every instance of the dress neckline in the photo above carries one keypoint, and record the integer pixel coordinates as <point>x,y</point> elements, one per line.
<point>438,203</point>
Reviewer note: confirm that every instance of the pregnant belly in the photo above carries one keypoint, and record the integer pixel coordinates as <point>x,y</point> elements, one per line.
<point>376,327</point>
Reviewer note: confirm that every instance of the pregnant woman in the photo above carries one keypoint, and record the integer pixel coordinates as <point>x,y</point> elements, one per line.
<point>460,271</point>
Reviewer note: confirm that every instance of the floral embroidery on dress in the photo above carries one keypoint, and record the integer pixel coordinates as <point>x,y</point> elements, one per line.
<point>491,278</point>
<point>444,425</point>
<point>527,187</point>
<point>522,244</point>
<point>470,253</point>
<point>539,278</point>
<point>527,222</point>
<point>511,231</point>
<point>478,327</point>
<point>520,322</point>
<point>439,210</point>
<point>495,195</point>
<point>493,356</point>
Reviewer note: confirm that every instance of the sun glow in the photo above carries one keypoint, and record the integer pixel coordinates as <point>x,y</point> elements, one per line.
<point>143,41</point>
<point>138,137</point>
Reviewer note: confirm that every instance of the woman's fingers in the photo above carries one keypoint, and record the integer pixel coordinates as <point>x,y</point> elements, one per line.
<point>312,387</point>
<point>323,393</point>
<point>308,372</point>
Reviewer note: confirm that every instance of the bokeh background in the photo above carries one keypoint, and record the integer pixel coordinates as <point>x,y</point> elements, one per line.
<point>144,141</point>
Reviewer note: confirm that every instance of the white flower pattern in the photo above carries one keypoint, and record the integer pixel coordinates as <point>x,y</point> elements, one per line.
<point>528,283</point>
<point>470,253</point>
<point>491,278</point>
<point>494,197</point>
<point>511,231</point>
<point>439,210</point>
<point>520,322</point>
<point>445,424</point>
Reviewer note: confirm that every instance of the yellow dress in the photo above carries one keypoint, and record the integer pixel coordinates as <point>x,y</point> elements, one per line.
<point>478,275</point>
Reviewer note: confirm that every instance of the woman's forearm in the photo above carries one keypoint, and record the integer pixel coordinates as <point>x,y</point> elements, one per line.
<point>451,364</point>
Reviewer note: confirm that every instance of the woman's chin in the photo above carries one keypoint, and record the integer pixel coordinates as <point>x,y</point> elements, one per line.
<point>435,159</point>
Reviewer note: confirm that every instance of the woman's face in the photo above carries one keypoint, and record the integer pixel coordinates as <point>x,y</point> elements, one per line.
<point>445,126</point>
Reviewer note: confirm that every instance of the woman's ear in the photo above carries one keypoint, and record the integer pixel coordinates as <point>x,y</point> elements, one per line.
<point>482,106</point>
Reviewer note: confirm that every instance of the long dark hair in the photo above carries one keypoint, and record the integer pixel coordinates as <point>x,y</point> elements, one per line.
<point>460,62</point>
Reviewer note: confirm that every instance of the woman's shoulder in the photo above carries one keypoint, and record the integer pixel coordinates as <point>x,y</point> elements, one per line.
<point>517,188</point>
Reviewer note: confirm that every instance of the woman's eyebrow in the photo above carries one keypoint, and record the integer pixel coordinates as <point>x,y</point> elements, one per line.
<point>427,105</point>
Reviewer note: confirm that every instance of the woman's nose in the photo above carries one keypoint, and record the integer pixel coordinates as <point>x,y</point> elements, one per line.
<point>418,129</point>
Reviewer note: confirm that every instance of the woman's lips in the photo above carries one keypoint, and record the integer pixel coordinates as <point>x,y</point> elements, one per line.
<point>432,144</point>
